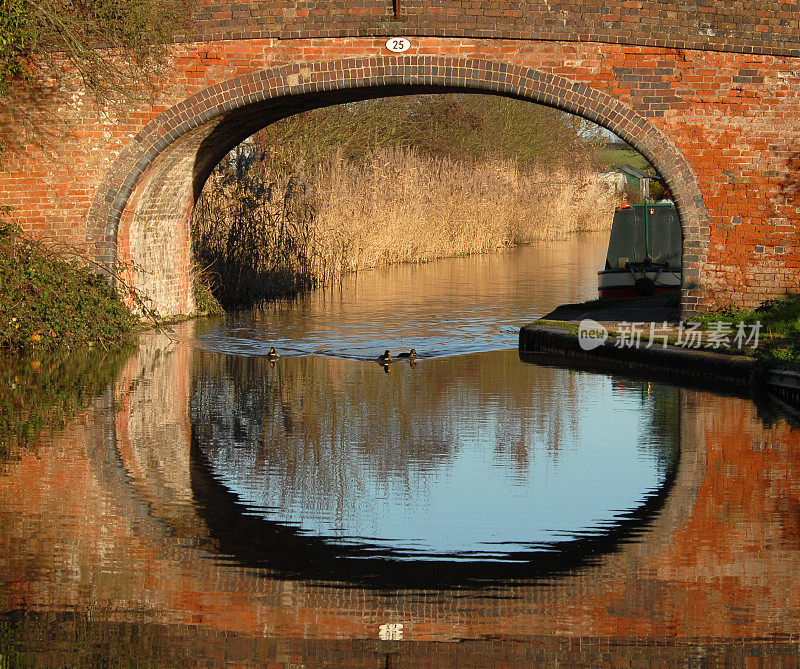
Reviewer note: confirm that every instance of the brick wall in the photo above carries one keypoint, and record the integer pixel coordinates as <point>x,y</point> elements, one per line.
<point>717,113</point>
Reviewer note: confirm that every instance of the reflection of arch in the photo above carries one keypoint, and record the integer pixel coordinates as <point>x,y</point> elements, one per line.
<point>176,546</point>
<point>166,164</point>
<point>289,553</point>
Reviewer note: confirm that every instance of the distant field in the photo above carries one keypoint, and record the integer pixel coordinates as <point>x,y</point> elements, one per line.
<point>610,156</point>
<point>613,156</point>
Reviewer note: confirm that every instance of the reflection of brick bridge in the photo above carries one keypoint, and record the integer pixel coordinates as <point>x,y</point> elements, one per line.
<point>719,560</point>
<point>708,91</point>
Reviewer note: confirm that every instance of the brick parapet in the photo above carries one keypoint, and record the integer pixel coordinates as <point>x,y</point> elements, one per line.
<point>766,27</point>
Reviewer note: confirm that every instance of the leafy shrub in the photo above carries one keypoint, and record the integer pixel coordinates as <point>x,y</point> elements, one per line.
<point>17,34</point>
<point>48,303</point>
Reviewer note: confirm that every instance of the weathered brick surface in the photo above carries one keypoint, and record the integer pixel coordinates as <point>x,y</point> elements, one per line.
<point>721,122</point>
<point>761,26</point>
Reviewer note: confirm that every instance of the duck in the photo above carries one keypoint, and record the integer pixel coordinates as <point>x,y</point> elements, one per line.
<point>385,358</point>
<point>272,354</point>
<point>410,355</point>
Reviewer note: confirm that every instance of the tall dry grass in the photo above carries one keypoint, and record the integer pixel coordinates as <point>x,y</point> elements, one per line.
<point>254,239</point>
<point>263,233</point>
<point>398,205</point>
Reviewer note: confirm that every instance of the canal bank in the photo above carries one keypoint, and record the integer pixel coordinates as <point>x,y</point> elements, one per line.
<point>646,336</point>
<point>639,335</point>
<point>723,371</point>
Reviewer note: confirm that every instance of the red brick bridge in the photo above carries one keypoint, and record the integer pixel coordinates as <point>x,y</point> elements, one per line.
<point>707,90</point>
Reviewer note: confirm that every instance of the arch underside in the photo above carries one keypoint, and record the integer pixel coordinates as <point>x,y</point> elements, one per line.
<point>160,174</point>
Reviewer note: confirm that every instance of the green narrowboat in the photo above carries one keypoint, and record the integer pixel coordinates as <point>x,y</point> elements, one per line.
<point>644,251</point>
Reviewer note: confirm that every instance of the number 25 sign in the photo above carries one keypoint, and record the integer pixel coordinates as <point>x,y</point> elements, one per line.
<point>398,44</point>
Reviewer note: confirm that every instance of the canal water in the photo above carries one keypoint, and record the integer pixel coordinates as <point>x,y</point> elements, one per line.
<point>203,503</point>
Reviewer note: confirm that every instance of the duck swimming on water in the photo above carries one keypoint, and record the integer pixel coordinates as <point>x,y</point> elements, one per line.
<point>385,358</point>
<point>411,354</point>
<point>272,354</point>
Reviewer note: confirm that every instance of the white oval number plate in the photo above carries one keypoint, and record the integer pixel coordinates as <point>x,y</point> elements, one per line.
<point>398,44</point>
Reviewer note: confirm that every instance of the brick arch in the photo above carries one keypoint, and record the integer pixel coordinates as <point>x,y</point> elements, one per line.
<point>160,172</point>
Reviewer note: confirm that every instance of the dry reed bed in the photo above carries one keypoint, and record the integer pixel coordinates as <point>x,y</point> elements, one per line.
<point>399,206</point>
<point>267,233</point>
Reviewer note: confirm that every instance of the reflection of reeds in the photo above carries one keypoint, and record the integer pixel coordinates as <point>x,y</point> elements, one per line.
<point>319,421</point>
<point>264,232</point>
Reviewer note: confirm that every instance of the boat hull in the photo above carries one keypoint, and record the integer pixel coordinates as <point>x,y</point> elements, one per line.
<point>622,283</point>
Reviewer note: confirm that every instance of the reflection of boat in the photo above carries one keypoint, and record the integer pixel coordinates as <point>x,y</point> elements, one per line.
<point>644,252</point>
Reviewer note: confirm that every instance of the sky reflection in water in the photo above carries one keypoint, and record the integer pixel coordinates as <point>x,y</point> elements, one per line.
<point>476,468</point>
<point>469,456</point>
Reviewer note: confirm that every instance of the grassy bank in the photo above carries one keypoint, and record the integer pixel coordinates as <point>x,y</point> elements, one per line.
<point>49,303</point>
<point>779,337</point>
